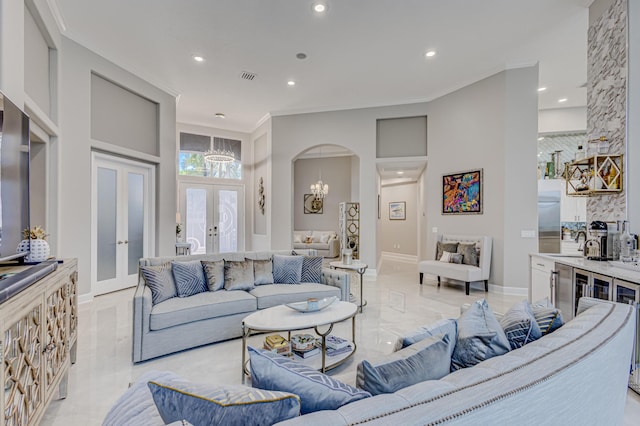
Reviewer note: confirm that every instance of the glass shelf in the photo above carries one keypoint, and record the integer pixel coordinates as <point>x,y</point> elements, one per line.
<point>599,174</point>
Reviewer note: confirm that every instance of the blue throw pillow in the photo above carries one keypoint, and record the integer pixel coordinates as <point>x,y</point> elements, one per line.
<point>317,391</point>
<point>480,337</point>
<point>287,269</point>
<point>446,326</point>
<point>203,404</point>
<point>311,269</point>
<point>548,318</point>
<point>520,325</point>
<point>159,279</point>
<point>429,359</point>
<point>189,278</point>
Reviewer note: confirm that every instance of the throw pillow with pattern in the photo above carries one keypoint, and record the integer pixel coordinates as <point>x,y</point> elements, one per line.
<point>287,269</point>
<point>311,269</point>
<point>547,316</point>
<point>160,281</point>
<point>189,278</point>
<point>520,325</point>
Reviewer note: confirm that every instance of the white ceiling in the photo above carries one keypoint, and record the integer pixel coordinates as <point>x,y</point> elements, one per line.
<point>360,52</point>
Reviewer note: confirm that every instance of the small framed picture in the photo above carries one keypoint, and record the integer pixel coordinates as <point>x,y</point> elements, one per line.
<point>397,210</point>
<point>312,205</point>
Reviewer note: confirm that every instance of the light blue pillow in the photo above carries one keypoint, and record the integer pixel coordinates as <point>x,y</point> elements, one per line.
<point>203,404</point>
<point>311,269</point>
<point>287,269</point>
<point>189,278</point>
<point>429,359</point>
<point>238,275</point>
<point>480,337</point>
<point>159,279</point>
<point>317,391</point>
<point>263,272</point>
<point>448,326</point>
<point>520,325</point>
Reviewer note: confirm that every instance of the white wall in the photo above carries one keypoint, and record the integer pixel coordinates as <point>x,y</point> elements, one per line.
<point>399,236</point>
<point>492,125</point>
<point>262,163</point>
<point>562,120</point>
<point>74,153</point>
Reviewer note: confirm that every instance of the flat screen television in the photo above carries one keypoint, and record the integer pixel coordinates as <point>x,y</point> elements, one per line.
<point>14,178</point>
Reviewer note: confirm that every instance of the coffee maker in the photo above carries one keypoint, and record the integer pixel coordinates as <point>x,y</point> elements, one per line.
<point>597,247</point>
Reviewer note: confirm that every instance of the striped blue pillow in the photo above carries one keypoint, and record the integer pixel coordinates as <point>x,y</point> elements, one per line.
<point>520,325</point>
<point>189,278</point>
<point>159,279</point>
<point>311,269</point>
<point>287,269</point>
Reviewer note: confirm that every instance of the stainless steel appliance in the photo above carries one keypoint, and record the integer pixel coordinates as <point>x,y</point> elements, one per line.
<point>562,290</point>
<point>597,246</point>
<point>549,230</point>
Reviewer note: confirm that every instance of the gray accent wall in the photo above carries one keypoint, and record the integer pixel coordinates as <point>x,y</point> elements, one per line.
<point>336,172</point>
<point>124,118</point>
<point>260,168</point>
<point>401,137</point>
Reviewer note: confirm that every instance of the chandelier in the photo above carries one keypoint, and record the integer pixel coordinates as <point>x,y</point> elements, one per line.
<point>319,189</point>
<point>219,156</point>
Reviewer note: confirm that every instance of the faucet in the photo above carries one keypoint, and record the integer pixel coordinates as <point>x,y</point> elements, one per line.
<point>584,234</point>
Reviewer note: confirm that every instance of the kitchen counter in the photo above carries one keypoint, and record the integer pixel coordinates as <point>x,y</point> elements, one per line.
<point>604,268</point>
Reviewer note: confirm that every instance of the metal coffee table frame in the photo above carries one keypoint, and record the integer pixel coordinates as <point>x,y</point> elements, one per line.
<point>248,331</point>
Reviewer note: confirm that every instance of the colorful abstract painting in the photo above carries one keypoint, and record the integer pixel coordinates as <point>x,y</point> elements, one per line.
<point>462,193</point>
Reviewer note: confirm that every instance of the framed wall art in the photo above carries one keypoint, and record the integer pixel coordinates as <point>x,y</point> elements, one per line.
<point>397,210</point>
<point>462,192</point>
<point>312,204</point>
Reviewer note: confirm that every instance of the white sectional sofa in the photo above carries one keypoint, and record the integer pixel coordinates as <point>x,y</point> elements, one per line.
<point>326,243</point>
<point>186,322</point>
<point>576,375</point>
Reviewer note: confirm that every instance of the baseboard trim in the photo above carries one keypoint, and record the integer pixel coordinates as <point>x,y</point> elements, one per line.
<point>508,291</point>
<point>399,257</point>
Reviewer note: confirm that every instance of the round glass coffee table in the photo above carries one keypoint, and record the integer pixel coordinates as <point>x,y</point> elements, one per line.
<point>283,318</point>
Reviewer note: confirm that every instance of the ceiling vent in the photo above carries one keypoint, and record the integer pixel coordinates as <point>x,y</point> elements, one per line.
<point>246,75</point>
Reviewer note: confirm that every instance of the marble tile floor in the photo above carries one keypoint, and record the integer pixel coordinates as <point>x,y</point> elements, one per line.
<point>396,304</point>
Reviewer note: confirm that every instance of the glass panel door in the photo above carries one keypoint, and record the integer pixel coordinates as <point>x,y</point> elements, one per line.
<point>213,217</point>
<point>121,221</point>
<point>581,285</point>
<point>601,287</point>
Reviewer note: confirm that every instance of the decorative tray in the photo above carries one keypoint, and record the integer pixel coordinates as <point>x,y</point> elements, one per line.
<point>312,305</point>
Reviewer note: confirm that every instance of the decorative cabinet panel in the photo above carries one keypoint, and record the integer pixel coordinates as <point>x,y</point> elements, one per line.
<point>350,228</point>
<point>38,326</point>
<point>600,174</point>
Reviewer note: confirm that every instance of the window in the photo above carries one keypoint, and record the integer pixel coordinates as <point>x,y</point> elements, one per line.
<point>191,160</point>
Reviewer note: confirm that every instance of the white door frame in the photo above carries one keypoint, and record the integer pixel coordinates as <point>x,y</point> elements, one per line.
<point>101,160</point>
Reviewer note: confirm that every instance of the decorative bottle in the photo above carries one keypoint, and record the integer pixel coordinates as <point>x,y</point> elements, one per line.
<point>626,243</point>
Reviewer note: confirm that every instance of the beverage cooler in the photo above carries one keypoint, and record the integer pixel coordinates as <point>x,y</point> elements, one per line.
<point>629,293</point>
<point>591,284</point>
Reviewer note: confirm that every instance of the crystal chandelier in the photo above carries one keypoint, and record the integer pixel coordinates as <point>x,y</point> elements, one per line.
<point>319,189</point>
<point>219,156</point>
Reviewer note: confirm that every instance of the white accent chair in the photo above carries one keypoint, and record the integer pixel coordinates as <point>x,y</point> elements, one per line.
<point>461,272</point>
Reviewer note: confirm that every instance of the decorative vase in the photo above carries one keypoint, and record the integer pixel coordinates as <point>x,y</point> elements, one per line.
<point>39,250</point>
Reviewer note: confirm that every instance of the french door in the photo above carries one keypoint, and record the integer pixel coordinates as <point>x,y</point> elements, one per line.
<point>213,217</point>
<point>122,203</point>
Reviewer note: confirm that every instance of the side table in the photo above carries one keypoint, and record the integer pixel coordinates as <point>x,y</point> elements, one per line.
<point>358,267</point>
<point>183,249</point>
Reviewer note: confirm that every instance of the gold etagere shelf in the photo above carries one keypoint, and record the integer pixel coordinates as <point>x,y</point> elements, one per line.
<point>595,175</point>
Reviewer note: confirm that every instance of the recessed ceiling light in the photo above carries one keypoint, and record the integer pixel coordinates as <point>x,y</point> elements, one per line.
<point>301,55</point>
<point>219,115</point>
<point>400,173</point>
<point>320,7</point>
<point>563,100</point>
<point>198,58</point>
<point>540,138</point>
<point>291,83</point>
<point>430,54</point>
<point>541,89</point>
